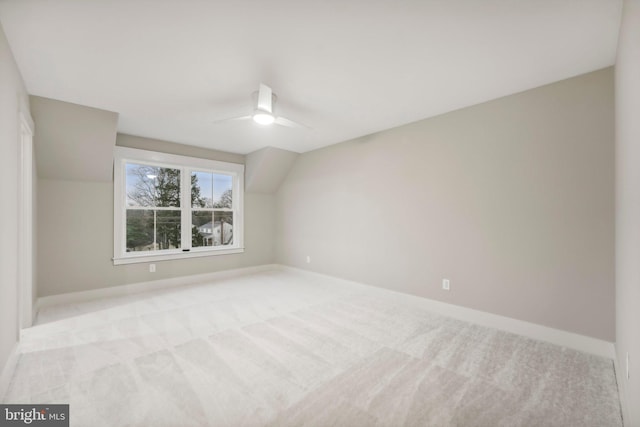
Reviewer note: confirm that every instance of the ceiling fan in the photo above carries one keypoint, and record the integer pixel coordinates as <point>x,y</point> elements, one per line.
<point>263,111</point>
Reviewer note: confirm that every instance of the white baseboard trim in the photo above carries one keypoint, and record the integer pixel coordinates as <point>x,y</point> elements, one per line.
<point>621,380</point>
<point>530,330</point>
<point>136,288</point>
<point>8,370</point>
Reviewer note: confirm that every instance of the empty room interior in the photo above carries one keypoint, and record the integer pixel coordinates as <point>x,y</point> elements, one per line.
<point>293,213</point>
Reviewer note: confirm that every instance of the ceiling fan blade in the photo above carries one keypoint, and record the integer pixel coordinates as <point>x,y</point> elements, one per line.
<point>265,98</point>
<point>290,123</point>
<point>231,119</point>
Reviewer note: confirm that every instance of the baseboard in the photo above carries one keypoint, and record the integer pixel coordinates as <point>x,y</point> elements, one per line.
<point>8,370</point>
<point>621,380</point>
<point>530,330</point>
<point>136,288</point>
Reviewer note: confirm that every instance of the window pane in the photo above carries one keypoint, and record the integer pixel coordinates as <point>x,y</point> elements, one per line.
<point>152,186</point>
<point>201,229</point>
<point>202,189</point>
<point>168,229</point>
<point>222,190</point>
<point>222,228</point>
<point>141,225</point>
<point>140,230</point>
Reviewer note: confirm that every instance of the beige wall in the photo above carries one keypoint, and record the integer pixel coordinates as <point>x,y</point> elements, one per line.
<point>266,169</point>
<point>628,208</point>
<point>13,99</point>
<point>75,223</point>
<point>75,228</point>
<point>512,200</point>
<point>75,204</point>
<point>142,143</point>
<point>73,141</point>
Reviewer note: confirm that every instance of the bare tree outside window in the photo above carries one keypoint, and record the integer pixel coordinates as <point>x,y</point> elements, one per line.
<point>153,217</point>
<point>212,221</point>
<point>156,188</point>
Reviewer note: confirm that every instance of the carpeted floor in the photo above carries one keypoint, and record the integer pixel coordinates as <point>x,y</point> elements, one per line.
<point>283,349</point>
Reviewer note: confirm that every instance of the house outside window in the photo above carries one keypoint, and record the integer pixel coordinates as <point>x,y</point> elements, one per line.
<point>170,207</point>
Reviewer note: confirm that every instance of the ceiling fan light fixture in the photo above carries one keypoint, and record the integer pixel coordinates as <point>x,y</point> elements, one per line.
<point>263,118</point>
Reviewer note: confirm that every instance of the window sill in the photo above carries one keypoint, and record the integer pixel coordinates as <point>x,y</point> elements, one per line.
<point>133,259</point>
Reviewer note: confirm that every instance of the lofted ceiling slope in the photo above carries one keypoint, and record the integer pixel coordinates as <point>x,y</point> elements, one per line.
<point>171,68</point>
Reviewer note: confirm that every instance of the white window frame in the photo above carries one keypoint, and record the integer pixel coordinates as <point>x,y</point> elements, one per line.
<point>122,155</point>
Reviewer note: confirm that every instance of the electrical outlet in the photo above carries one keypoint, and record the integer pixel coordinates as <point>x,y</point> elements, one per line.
<point>152,268</point>
<point>308,259</point>
<point>445,284</point>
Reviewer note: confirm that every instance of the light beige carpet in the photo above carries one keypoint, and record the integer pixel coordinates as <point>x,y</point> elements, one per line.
<point>284,349</point>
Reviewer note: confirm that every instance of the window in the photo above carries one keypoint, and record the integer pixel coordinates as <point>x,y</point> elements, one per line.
<point>169,207</point>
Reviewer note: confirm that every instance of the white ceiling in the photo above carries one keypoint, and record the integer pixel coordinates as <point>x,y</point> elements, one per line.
<point>346,68</point>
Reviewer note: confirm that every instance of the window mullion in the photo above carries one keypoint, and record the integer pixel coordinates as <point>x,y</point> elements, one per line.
<point>121,206</point>
<point>136,223</point>
<point>185,205</point>
<point>238,209</point>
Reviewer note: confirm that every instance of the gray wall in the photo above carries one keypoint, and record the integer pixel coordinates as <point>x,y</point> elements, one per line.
<point>142,143</point>
<point>512,200</point>
<point>628,208</point>
<point>75,225</point>
<point>73,141</point>
<point>266,169</point>
<point>13,99</point>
